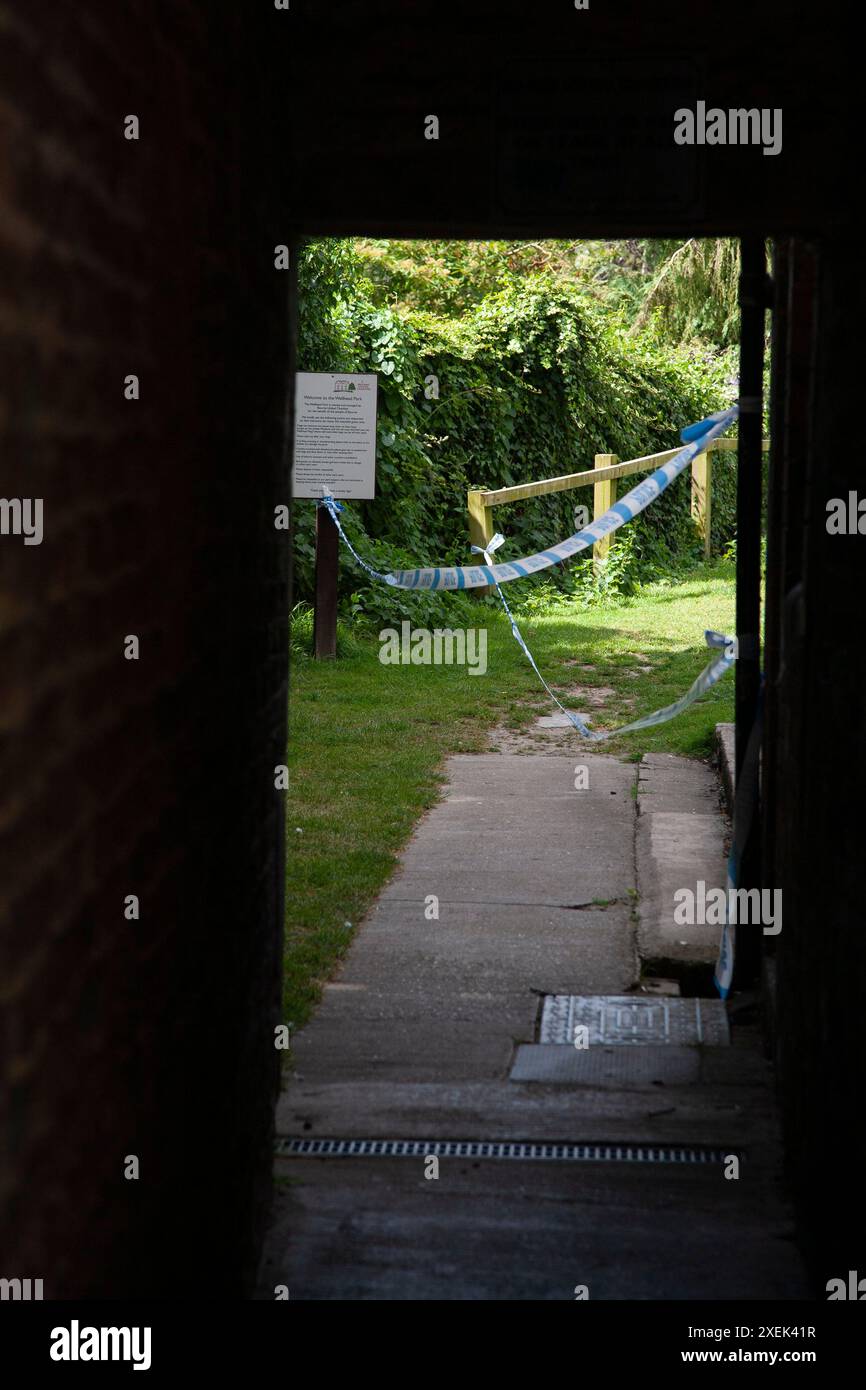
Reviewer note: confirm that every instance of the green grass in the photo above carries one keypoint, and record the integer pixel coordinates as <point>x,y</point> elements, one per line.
<point>366,741</point>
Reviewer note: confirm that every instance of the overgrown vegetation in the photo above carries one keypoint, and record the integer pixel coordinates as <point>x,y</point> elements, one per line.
<point>501,362</point>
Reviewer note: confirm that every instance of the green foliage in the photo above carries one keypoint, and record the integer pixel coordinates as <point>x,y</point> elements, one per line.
<point>687,290</point>
<point>534,379</point>
<point>329,280</point>
<point>301,634</point>
<point>694,293</point>
<point>448,278</point>
<point>614,577</point>
<point>440,277</point>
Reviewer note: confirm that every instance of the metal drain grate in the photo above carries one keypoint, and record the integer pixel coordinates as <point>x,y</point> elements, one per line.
<point>631,1020</point>
<point>479,1148</point>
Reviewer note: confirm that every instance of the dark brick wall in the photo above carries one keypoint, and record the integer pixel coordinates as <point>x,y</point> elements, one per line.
<point>152,777</point>
<point>815,756</point>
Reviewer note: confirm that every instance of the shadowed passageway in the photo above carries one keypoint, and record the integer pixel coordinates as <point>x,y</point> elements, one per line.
<point>534,889</point>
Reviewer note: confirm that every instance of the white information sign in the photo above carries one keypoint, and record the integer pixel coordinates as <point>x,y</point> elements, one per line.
<point>335,434</point>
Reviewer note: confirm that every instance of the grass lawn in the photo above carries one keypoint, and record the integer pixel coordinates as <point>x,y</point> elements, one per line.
<point>366,741</point>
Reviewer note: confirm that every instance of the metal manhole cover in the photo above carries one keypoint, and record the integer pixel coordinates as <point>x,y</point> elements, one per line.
<point>632,1019</point>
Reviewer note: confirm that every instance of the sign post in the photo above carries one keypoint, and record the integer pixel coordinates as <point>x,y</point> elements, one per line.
<point>335,453</point>
<point>327,558</point>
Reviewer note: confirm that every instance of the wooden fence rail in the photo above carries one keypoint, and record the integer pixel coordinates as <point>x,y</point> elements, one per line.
<point>602,479</point>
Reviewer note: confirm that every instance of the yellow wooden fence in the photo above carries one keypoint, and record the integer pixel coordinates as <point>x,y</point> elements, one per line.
<point>602,479</point>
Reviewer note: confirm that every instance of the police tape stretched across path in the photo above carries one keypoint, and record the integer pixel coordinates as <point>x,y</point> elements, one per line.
<point>696,438</point>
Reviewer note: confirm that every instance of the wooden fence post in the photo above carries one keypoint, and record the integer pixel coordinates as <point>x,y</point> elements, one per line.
<point>480,528</point>
<point>603,498</point>
<point>702,497</point>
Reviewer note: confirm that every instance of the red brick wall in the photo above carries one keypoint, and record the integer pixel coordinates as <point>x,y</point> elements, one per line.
<point>153,776</point>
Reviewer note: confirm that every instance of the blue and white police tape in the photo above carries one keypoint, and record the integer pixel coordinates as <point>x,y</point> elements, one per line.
<point>696,438</point>
<point>578,723</point>
<point>333,507</point>
<point>708,677</point>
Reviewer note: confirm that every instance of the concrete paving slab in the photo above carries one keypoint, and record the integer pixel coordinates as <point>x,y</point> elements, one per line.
<point>492,947</point>
<point>554,876</point>
<point>561,721</point>
<point>394,1048</point>
<point>366,1230</point>
<point>679,841</point>
<point>726,742</point>
<point>450,999</point>
<point>519,831</point>
<point>618,1067</point>
<point>708,1113</point>
<point>484,775</point>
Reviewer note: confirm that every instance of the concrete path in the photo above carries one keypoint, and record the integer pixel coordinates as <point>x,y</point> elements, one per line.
<point>515,886</point>
<point>680,840</point>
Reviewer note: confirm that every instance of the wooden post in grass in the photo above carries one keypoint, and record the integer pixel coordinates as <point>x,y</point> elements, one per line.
<point>603,498</point>
<point>480,528</point>
<point>702,497</point>
<point>327,554</point>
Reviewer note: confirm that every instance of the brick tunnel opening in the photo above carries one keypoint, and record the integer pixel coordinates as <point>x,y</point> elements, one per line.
<point>152,776</point>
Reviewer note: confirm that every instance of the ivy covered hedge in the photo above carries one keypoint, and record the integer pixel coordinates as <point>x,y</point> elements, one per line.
<point>532,382</point>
